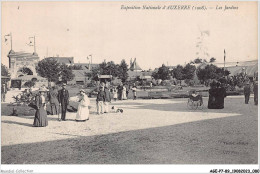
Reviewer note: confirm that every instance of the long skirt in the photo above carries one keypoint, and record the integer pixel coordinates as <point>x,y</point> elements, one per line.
<point>40,119</point>
<point>83,113</point>
<point>124,95</point>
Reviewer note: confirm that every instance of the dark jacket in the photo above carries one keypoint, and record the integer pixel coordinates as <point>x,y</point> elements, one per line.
<point>107,95</point>
<point>63,96</point>
<point>53,97</point>
<point>247,90</point>
<point>101,96</point>
<point>38,102</point>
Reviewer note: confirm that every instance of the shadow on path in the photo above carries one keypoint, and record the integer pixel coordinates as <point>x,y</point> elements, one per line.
<point>216,141</point>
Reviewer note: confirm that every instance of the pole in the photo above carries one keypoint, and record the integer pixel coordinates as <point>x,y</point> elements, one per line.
<point>34,44</point>
<point>11,41</point>
<point>90,62</point>
<point>224,61</point>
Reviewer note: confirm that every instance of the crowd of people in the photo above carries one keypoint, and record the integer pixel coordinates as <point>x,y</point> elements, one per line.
<point>59,101</point>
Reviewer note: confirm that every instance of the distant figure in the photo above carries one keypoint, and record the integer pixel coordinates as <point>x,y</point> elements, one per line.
<point>220,94</point>
<point>107,99</point>
<point>114,92</point>
<point>212,96</point>
<point>53,97</point>
<point>83,111</point>
<point>223,94</point>
<point>119,91</point>
<point>247,92</point>
<point>256,92</point>
<point>63,98</point>
<point>134,91</point>
<point>3,92</point>
<point>40,119</point>
<point>127,90</point>
<point>124,93</point>
<point>100,100</point>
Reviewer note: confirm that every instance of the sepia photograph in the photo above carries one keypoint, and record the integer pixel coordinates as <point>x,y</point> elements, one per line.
<point>129,82</point>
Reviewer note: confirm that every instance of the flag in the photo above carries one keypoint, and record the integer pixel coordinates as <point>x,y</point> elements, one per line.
<point>30,42</point>
<point>6,38</point>
<point>224,55</point>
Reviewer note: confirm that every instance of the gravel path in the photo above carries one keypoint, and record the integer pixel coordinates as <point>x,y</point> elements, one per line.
<point>148,132</point>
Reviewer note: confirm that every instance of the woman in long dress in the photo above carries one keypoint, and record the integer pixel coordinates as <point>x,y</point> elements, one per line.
<point>83,111</point>
<point>124,93</point>
<point>40,119</point>
<point>114,91</point>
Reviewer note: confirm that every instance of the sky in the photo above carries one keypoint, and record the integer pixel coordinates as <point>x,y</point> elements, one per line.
<point>153,37</point>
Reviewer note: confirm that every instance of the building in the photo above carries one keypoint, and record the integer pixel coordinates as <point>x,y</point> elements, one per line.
<point>22,63</point>
<point>22,68</point>
<point>63,60</point>
<point>134,66</point>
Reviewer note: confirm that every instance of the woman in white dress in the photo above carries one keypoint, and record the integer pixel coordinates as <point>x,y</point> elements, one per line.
<point>114,91</point>
<point>83,111</point>
<point>124,93</point>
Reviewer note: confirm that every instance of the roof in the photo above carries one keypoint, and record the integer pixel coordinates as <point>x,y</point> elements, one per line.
<point>105,76</point>
<point>21,54</point>
<point>133,74</point>
<point>85,66</point>
<point>241,63</point>
<point>135,66</point>
<point>65,60</point>
<point>145,77</point>
<point>80,73</point>
<point>249,70</point>
<point>5,77</point>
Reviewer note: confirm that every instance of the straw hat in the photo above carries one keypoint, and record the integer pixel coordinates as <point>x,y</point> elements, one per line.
<point>42,89</point>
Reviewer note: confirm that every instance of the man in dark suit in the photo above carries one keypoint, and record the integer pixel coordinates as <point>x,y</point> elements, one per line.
<point>63,97</point>
<point>53,98</point>
<point>247,91</point>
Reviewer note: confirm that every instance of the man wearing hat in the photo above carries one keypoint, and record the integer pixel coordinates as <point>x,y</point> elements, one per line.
<point>63,98</point>
<point>247,92</point>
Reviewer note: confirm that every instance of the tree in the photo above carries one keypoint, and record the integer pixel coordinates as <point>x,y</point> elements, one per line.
<point>198,61</point>
<point>212,59</point>
<point>49,68</point>
<point>188,73</point>
<point>122,71</point>
<point>211,72</point>
<point>178,73</point>
<point>94,73</point>
<point>4,70</point>
<point>66,73</point>
<point>76,67</point>
<point>163,73</point>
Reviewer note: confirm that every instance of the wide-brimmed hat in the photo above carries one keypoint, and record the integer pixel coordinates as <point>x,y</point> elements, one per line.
<point>43,89</point>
